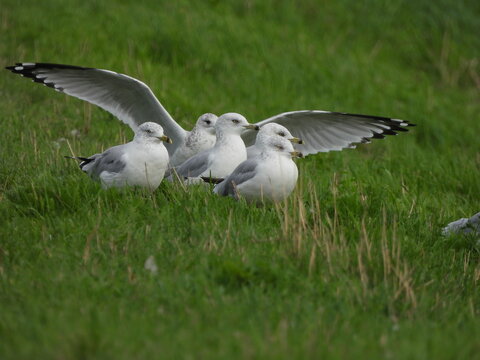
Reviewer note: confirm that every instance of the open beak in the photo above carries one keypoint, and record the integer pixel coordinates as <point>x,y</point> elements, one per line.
<point>296,140</point>
<point>251,126</point>
<point>296,154</point>
<point>166,139</point>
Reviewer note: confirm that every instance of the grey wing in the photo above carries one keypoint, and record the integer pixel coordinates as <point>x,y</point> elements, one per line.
<point>242,173</point>
<point>110,160</point>
<point>324,131</point>
<point>127,98</point>
<point>194,166</point>
<point>475,220</point>
<point>463,226</point>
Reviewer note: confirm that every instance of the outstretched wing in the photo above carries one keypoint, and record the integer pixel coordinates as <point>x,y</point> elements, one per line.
<point>323,131</point>
<point>127,98</point>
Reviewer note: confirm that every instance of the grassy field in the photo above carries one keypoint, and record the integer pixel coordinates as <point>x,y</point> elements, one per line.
<point>353,265</point>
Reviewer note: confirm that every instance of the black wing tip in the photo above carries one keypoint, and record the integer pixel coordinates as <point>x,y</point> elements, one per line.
<point>378,136</point>
<point>381,126</point>
<point>391,131</point>
<point>20,68</point>
<point>403,123</point>
<point>388,121</point>
<point>394,126</point>
<point>32,70</point>
<point>45,65</point>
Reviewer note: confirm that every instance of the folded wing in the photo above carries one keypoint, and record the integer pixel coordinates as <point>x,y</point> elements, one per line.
<point>195,166</point>
<point>242,173</point>
<point>110,161</point>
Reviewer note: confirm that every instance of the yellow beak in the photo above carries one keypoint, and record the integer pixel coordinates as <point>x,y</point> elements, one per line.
<point>296,154</point>
<point>296,140</point>
<point>166,139</point>
<point>251,126</point>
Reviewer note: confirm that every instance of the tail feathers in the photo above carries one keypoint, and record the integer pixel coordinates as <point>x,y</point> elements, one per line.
<point>83,160</point>
<point>79,158</point>
<point>211,180</point>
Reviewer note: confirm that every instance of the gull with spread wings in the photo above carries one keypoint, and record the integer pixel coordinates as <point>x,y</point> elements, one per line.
<point>134,103</point>
<point>129,99</point>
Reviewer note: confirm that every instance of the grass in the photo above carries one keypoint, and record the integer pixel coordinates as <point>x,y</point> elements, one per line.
<point>352,265</point>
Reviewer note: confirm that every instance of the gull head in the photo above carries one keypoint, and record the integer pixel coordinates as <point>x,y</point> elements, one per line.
<point>151,131</point>
<point>274,129</point>
<point>280,146</point>
<point>207,122</point>
<point>233,123</point>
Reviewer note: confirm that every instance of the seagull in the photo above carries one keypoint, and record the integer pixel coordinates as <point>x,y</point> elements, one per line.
<point>270,175</point>
<point>201,138</point>
<point>133,102</point>
<point>266,131</point>
<point>466,226</point>
<point>141,162</point>
<point>228,151</point>
<point>270,129</point>
<point>127,98</point>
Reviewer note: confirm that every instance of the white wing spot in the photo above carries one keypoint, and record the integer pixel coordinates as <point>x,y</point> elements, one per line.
<point>402,123</point>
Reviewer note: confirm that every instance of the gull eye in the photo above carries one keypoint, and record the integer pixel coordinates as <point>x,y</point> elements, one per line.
<point>279,147</point>
<point>281,133</point>
<point>148,131</point>
<point>235,121</point>
<point>208,122</point>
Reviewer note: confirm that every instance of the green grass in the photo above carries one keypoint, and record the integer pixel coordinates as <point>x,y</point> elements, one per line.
<point>351,266</point>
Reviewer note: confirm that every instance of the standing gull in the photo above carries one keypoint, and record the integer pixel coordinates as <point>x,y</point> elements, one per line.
<point>134,103</point>
<point>271,175</point>
<point>141,162</point>
<point>228,152</point>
